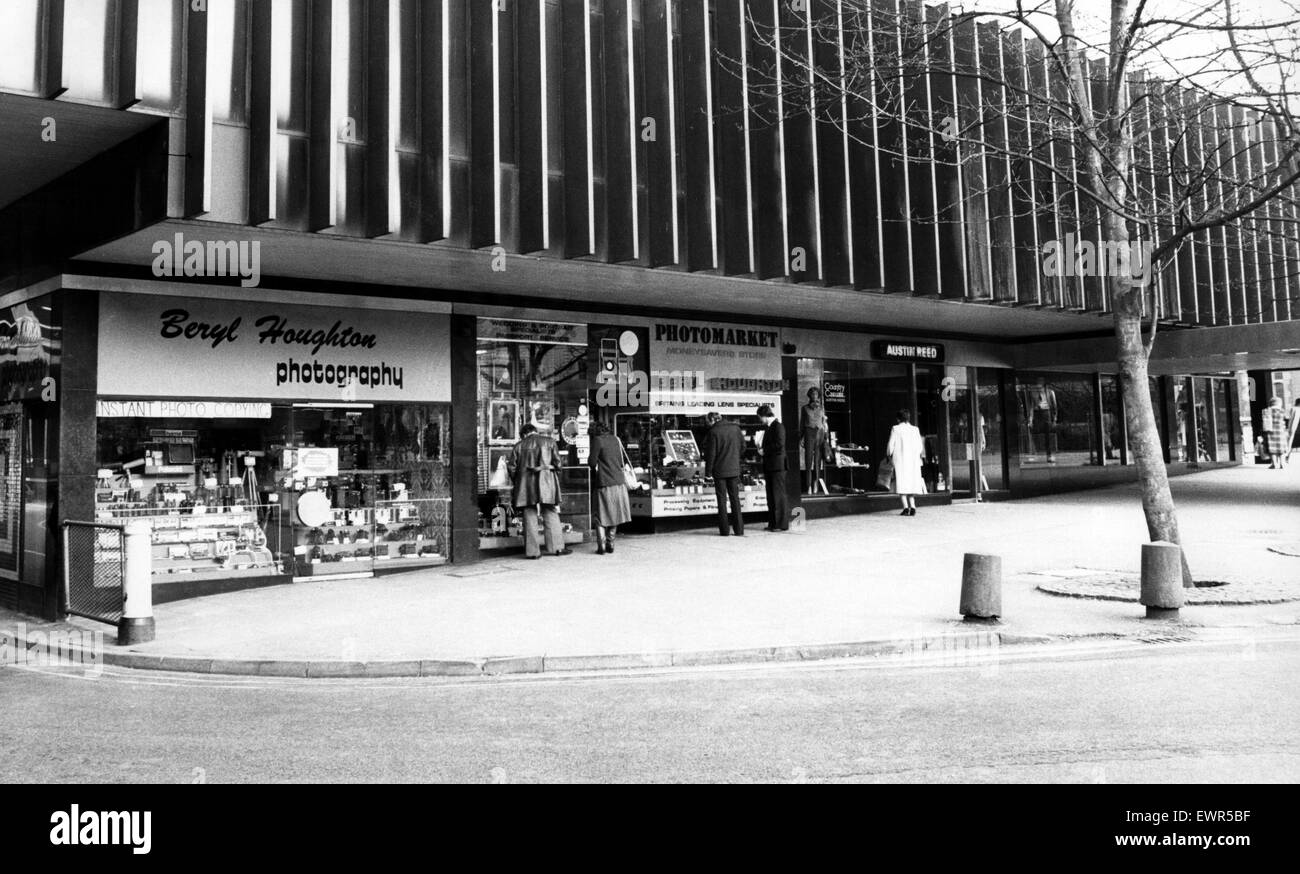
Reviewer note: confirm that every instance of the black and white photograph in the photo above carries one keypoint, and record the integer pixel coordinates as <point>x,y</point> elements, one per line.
<point>654,391</point>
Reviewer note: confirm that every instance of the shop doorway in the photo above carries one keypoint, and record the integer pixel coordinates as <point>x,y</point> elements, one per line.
<point>975,432</point>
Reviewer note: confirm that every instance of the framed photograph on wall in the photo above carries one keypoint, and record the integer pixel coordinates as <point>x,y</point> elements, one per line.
<point>503,421</point>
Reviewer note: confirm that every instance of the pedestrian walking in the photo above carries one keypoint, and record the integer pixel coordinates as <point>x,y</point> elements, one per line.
<point>722,462</point>
<point>611,507</point>
<point>775,465</point>
<point>534,467</point>
<point>1275,432</point>
<point>907,452</point>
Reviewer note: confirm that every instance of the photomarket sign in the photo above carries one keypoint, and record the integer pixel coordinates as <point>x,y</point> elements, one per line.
<point>703,366</point>
<point>167,347</point>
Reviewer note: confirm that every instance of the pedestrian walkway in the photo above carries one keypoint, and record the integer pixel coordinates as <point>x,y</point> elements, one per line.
<point>861,578</point>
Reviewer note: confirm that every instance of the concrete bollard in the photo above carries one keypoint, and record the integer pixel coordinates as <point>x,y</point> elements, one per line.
<point>1162,579</point>
<point>136,624</point>
<point>981,587</point>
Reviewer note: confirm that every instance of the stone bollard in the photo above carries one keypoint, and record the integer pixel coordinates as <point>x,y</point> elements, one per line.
<point>136,624</point>
<point>1162,579</point>
<point>981,587</point>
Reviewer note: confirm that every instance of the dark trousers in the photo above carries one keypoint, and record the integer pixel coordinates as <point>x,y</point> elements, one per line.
<point>728,488</point>
<point>778,503</point>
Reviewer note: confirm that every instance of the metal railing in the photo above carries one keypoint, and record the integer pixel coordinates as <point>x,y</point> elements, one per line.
<point>94,570</point>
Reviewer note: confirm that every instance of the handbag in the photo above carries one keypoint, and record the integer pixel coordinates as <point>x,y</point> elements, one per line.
<point>885,474</point>
<point>629,475</point>
<point>828,451</point>
<point>501,476</point>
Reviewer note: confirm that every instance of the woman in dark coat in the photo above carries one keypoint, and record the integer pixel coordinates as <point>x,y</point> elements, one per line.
<point>610,505</point>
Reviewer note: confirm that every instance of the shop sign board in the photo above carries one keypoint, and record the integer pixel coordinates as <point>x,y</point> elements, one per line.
<point>907,350</point>
<point>526,331</point>
<point>701,366</point>
<point>182,410</point>
<point>168,347</point>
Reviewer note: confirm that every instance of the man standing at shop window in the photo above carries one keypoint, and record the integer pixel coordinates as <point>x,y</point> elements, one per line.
<point>534,467</point>
<point>722,462</point>
<point>774,468</point>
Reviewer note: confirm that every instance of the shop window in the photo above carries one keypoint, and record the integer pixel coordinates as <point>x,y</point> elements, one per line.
<point>531,373</point>
<point>307,490</point>
<point>1225,419</point>
<point>1112,418</point>
<point>989,433</point>
<point>860,399</point>
<point>1055,419</point>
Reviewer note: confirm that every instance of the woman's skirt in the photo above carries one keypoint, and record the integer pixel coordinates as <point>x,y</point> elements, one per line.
<point>612,506</point>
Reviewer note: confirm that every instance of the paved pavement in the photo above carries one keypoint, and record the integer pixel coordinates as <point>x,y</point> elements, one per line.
<point>860,578</point>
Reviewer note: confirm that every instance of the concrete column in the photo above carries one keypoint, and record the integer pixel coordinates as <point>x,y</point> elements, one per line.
<point>136,625</point>
<point>981,587</point>
<point>1162,579</point>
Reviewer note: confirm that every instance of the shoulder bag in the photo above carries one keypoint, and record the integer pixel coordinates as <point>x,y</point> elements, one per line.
<point>629,475</point>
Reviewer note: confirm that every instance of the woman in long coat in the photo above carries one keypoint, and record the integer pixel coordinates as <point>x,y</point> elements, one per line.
<point>610,504</point>
<point>534,469</point>
<point>1275,432</point>
<point>907,452</point>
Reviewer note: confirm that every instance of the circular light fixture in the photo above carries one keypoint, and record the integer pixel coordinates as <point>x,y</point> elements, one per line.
<point>628,343</point>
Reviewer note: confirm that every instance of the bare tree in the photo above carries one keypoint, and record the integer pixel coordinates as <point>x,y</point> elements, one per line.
<point>1172,129</point>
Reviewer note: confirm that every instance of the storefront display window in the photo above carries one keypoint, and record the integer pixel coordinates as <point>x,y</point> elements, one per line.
<point>531,373</point>
<point>1112,418</point>
<point>1225,418</point>
<point>1055,419</point>
<point>261,438</point>
<point>989,434</point>
<point>306,489</point>
<point>860,399</point>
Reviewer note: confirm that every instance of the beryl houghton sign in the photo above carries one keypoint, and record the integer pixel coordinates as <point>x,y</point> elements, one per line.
<point>197,348</point>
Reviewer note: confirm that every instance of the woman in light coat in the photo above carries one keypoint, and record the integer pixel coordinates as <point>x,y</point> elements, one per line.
<point>907,452</point>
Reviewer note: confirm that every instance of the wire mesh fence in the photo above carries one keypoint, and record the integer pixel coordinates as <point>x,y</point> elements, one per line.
<point>93,570</point>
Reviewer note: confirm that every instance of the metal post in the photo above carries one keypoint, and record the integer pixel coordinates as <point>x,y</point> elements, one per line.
<point>136,625</point>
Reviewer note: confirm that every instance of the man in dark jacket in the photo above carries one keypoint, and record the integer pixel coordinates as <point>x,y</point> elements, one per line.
<point>774,468</point>
<point>534,466</point>
<point>722,462</point>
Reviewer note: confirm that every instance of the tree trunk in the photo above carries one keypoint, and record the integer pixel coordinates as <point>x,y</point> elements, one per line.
<point>1139,415</point>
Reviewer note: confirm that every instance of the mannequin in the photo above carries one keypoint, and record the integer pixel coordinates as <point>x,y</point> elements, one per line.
<point>814,431</point>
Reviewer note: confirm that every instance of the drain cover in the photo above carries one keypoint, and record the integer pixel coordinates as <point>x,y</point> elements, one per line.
<point>1169,637</point>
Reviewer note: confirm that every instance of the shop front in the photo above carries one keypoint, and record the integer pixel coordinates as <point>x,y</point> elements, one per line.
<point>697,368</point>
<point>531,372</point>
<point>264,440</point>
<point>847,406</point>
